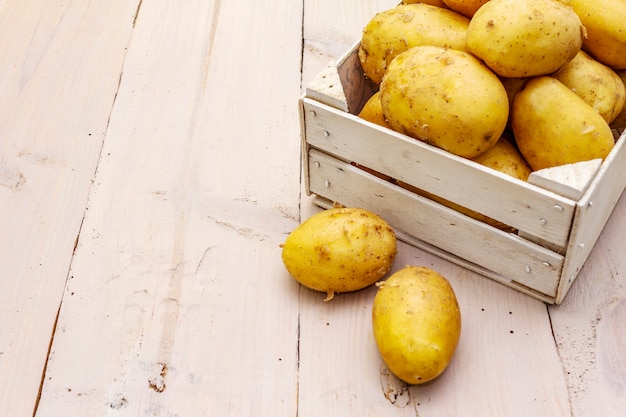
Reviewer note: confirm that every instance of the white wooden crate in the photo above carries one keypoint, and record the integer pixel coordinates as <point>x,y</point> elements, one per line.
<point>557,216</point>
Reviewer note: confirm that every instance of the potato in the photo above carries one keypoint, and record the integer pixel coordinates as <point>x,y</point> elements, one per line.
<point>465,7</point>
<point>438,3</point>
<point>504,157</point>
<point>340,250</point>
<point>595,83</point>
<point>553,126</point>
<point>606,33</point>
<point>417,323</point>
<point>372,111</point>
<point>512,86</point>
<point>524,38</point>
<point>620,120</point>
<point>397,29</point>
<point>445,97</point>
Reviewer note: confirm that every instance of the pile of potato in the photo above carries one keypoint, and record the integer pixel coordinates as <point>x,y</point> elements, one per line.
<point>416,318</point>
<point>546,76</point>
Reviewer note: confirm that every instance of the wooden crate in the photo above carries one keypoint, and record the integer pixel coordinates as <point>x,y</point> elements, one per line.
<point>556,216</point>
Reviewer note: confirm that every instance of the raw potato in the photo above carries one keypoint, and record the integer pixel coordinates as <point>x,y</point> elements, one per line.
<point>512,86</point>
<point>395,30</point>
<point>620,120</point>
<point>465,7</point>
<point>553,126</point>
<point>340,250</point>
<point>417,323</point>
<point>438,3</point>
<point>372,111</point>
<point>595,83</point>
<point>445,97</point>
<point>524,38</point>
<point>504,157</point>
<point>606,31</point>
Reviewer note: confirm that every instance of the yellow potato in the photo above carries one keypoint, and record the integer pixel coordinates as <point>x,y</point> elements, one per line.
<point>372,111</point>
<point>506,158</point>
<point>553,126</point>
<point>465,7</point>
<point>595,83</point>
<point>438,3</point>
<point>512,86</point>
<point>523,38</point>
<point>417,323</point>
<point>340,250</point>
<point>620,120</point>
<point>445,97</point>
<point>397,29</point>
<point>606,29</point>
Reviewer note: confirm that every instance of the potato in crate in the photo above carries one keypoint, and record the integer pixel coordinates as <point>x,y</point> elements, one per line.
<point>533,235</point>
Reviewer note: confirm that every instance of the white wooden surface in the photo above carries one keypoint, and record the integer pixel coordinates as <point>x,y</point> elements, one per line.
<point>165,136</point>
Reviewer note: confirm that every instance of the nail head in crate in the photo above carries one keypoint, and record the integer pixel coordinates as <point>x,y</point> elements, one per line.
<point>557,215</point>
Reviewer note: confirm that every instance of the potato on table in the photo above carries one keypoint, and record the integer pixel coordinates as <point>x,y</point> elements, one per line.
<point>417,323</point>
<point>340,250</point>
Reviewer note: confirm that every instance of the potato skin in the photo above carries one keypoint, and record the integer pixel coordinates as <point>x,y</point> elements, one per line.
<point>446,98</point>
<point>620,120</point>
<point>553,126</point>
<point>595,83</point>
<point>341,249</point>
<point>465,7</point>
<point>606,33</point>
<point>372,111</point>
<point>438,3</point>
<point>524,38</point>
<point>404,26</point>
<point>417,323</point>
<point>504,157</point>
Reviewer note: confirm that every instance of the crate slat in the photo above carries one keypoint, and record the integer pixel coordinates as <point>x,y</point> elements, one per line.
<point>592,213</point>
<point>506,254</point>
<point>538,212</point>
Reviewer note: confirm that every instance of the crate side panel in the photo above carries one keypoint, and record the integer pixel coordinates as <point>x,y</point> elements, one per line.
<point>357,88</point>
<point>503,253</point>
<point>420,244</point>
<point>593,212</point>
<point>538,212</point>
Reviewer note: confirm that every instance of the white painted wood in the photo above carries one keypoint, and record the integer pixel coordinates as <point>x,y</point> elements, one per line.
<point>60,64</point>
<point>326,87</point>
<point>177,301</point>
<point>503,253</point>
<point>505,348</point>
<point>539,212</point>
<point>593,211</point>
<point>589,326</point>
<point>569,180</point>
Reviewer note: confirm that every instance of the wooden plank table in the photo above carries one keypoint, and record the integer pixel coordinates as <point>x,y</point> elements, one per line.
<point>149,171</point>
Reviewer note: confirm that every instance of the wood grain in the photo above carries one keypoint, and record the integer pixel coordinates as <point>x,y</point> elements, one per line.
<point>589,326</point>
<point>60,66</point>
<point>165,136</point>
<point>177,302</point>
